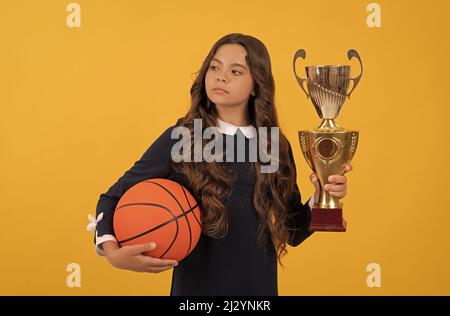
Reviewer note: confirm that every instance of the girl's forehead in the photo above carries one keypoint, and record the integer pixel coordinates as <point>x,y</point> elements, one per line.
<point>231,53</point>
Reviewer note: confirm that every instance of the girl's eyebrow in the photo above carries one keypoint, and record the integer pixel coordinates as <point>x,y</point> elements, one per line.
<point>235,64</point>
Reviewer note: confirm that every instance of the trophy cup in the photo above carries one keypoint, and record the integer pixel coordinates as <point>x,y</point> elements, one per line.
<point>329,146</point>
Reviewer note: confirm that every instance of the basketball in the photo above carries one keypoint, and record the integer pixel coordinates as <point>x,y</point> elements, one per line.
<point>160,211</point>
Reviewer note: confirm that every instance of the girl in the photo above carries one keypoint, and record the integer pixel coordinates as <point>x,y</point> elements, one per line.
<point>248,217</point>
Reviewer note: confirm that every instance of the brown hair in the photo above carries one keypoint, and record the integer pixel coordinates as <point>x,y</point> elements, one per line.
<point>212,182</point>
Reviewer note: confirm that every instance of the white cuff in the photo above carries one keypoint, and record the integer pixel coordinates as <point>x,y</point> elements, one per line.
<point>311,202</point>
<point>100,240</point>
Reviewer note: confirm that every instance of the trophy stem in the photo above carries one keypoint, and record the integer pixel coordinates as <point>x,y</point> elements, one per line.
<point>329,124</point>
<point>327,201</point>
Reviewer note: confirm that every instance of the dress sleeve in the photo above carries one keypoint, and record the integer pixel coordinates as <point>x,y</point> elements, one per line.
<point>299,214</point>
<point>154,163</point>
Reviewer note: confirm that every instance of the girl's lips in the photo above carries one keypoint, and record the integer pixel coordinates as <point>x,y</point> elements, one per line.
<point>219,90</point>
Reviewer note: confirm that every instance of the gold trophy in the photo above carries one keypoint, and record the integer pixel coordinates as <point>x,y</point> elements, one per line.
<point>329,146</point>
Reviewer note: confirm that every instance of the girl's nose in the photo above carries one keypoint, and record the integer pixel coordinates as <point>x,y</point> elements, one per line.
<point>221,78</point>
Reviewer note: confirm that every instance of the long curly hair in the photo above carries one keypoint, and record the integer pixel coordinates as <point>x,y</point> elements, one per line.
<point>212,182</point>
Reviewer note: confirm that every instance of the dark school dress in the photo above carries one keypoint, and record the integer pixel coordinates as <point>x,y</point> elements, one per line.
<point>234,265</point>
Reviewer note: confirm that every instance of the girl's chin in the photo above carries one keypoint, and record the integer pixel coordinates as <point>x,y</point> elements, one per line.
<point>221,103</point>
<point>220,95</point>
<point>221,99</point>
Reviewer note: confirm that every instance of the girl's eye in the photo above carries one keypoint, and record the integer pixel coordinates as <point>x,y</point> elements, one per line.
<point>235,71</point>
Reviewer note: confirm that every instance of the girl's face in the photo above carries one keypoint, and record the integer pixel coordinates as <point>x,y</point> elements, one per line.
<point>229,71</point>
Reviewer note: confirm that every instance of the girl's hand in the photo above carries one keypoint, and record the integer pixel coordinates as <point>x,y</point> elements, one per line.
<point>337,185</point>
<point>131,258</point>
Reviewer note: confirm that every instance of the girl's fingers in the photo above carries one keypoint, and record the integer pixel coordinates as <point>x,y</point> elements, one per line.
<point>335,187</point>
<point>138,249</point>
<point>155,262</point>
<point>314,179</point>
<point>158,269</point>
<point>338,183</point>
<point>347,168</point>
<point>337,179</point>
<point>339,194</point>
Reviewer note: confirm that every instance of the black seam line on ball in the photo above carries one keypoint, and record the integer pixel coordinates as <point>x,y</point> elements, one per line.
<point>166,209</point>
<point>175,218</point>
<point>193,213</point>
<point>182,210</point>
<point>189,203</point>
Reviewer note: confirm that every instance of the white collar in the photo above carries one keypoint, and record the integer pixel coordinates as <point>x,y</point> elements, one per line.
<point>230,129</point>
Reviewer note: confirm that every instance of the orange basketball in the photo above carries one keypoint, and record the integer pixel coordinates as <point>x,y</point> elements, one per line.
<point>160,211</point>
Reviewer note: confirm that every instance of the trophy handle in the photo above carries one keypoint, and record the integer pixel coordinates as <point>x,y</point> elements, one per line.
<point>350,54</point>
<point>300,53</point>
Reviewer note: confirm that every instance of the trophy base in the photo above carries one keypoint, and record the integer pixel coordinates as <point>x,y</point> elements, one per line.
<point>327,220</point>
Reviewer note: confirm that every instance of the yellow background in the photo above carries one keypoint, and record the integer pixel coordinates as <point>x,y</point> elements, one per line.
<point>80,106</point>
